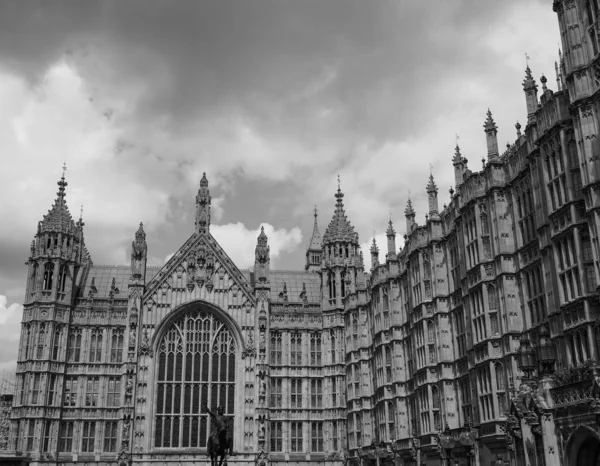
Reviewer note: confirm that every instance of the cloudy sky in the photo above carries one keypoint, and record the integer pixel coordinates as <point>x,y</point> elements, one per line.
<point>272,98</point>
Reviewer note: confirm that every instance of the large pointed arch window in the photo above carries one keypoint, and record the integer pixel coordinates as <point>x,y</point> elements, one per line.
<point>196,366</point>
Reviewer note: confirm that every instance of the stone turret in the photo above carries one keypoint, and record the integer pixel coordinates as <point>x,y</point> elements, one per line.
<point>409,213</point>
<point>432,192</point>
<point>314,252</point>
<point>531,98</point>
<point>391,242</point>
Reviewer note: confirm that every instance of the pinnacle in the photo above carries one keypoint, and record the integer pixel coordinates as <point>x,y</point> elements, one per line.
<point>409,211</point>
<point>315,240</point>
<point>390,229</point>
<point>374,248</point>
<point>490,124</point>
<point>457,156</point>
<point>204,181</point>
<point>431,187</point>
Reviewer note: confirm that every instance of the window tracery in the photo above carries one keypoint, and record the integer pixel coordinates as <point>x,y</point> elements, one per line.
<point>196,366</point>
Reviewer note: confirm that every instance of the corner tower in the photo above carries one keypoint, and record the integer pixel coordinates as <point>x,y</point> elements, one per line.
<point>57,261</point>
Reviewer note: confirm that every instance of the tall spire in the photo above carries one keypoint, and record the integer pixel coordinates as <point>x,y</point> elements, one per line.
<point>58,219</point>
<point>315,248</point>
<point>203,206</point>
<point>62,184</point>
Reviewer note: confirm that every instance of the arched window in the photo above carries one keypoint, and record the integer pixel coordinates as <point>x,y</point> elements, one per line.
<point>33,278</point>
<point>500,378</point>
<point>343,283</point>
<point>116,345</point>
<point>26,337</point>
<point>48,275</point>
<point>62,278</point>
<point>56,345</point>
<point>333,348</point>
<point>492,298</point>
<point>391,420</point>
<point>41,342</point>
<point>74,348</point>
<point>196,366</point>
<point>96,346</point>
<point>430,332</point>
<point>435,397</point>
<point>579,347</point>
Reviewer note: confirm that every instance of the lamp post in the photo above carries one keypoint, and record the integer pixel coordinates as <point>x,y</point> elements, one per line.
<point>546,352</point>
<point>467,438</point>
<point>526,358</point>
<point>447,442</point>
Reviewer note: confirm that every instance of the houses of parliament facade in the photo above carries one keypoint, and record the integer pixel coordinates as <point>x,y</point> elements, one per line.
<point>476,343</point>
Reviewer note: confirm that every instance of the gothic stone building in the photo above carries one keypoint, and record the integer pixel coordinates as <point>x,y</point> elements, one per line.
<point>331,364</point>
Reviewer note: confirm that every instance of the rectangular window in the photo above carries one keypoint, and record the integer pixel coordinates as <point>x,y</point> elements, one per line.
<point>88,437</point>
<point>110,436</point>
<point>296,436</point>
<point>296,393</point>
<point>70,391</point>
<point>65,443</point>
<point>276,393</point>
<point>91,391</point>
<point>317,436</point>
<point>276,348</point>
<point>316,393</point>
<point>315,349</point>
<point>35,394</point>
<point>113,395</point>
<point>296,349</point>
<point>276,436</point>
<point>116,346</point>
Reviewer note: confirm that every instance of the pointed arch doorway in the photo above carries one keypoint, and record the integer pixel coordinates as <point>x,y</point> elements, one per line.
<point>583,447</point>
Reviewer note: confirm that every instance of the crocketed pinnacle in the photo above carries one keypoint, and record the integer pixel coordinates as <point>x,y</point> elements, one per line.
<point>490,124</point>
<point>58,218</point>
<point>529,82</point>
<point>431,187</point>
<point>457,159</point>
<point>374,248</point>
<point>409,211</point>
<point>390,229</point>
<point>315,240</point>
<point>340,229</point>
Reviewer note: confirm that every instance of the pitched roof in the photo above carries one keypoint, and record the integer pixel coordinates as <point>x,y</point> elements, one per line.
<point>102,277</point>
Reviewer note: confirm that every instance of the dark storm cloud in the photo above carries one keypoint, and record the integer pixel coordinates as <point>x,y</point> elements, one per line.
<point>279,63</point>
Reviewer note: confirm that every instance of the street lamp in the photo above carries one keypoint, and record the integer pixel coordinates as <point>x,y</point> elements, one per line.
<point>526,358</point>
<point>468,437</point>
<point>447,442</point>
<point>546,352</point>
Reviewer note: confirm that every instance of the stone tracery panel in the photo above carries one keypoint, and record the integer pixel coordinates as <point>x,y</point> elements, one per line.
<point>195,365</point>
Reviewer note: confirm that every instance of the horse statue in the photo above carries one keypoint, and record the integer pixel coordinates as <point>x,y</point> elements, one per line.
<point>219,443</point>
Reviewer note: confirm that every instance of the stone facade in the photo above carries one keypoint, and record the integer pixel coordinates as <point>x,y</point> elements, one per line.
<point>331,364</point>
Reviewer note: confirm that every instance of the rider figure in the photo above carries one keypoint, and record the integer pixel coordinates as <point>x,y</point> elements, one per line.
<point>219,424</point>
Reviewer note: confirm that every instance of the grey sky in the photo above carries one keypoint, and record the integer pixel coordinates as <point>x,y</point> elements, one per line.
<point>271,98</point>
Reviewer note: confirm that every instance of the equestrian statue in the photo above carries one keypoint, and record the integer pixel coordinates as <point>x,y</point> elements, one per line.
<point>219,442</point>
